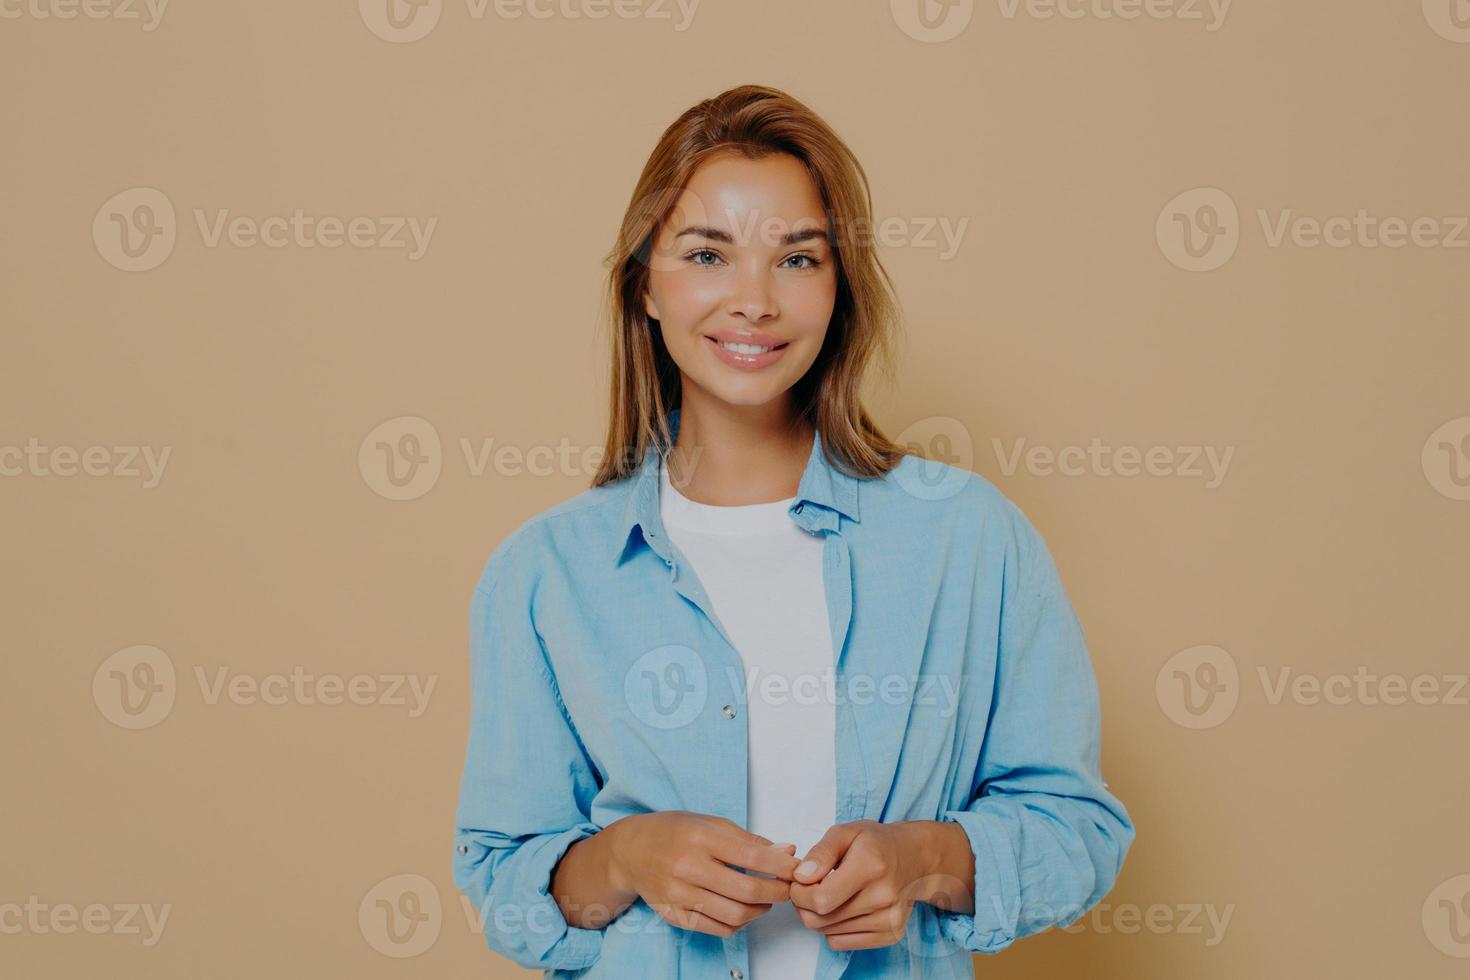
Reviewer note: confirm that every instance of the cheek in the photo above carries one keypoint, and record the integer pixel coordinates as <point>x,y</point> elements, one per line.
<point>685,296</point>
<point>810,304</point>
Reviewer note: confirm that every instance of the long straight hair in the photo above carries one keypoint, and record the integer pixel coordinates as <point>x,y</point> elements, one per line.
<point>755,121</point>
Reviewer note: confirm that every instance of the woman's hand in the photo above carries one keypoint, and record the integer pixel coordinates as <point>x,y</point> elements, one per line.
<point>677,861</point>
<point>859,884</point>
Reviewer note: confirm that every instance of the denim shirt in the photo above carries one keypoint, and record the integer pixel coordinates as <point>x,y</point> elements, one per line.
<point>603,685</point>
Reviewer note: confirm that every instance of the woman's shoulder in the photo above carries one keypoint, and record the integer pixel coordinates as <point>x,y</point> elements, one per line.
<point>580,524</point>
<point>933,489</point>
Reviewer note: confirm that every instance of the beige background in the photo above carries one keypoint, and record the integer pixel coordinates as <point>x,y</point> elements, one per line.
<point>1331,835</point>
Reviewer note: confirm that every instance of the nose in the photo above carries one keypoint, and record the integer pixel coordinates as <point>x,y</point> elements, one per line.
<point>751,295</point>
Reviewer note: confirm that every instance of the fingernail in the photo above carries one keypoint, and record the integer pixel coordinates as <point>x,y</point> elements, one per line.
<point>807,868</point>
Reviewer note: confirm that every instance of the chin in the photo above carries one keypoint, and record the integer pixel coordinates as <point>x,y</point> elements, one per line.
<point>746,395</point>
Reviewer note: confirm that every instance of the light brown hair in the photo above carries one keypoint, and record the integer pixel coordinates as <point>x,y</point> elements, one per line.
<point>755,121</point>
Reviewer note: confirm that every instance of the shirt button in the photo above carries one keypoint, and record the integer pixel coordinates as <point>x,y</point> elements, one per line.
<point>463,849</point>
<point>799,507</point>
<point>735,973</point>
<point>729,711</point>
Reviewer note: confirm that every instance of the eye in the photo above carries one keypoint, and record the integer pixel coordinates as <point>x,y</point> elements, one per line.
<point>692,257</point>
<point>815,262</point>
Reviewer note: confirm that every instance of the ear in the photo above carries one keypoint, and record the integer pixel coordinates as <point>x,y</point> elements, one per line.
<point>649,306</point>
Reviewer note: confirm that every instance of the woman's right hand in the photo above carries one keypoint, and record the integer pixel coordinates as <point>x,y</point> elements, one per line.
<point>676,861</point>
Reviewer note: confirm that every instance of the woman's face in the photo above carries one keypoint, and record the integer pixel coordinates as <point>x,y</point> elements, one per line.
<point>743,259</point>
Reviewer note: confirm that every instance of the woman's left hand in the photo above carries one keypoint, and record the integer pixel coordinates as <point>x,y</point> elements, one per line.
<point>859,883</point>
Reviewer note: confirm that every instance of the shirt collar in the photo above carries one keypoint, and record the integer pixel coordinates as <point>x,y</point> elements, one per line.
<point>832,490</point>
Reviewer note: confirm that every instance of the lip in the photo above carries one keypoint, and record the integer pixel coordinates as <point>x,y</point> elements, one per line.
<point>747,362</point>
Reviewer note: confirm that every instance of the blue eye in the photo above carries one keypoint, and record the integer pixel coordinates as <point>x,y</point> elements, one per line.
<point>815,262</point>
<point>701,251</point>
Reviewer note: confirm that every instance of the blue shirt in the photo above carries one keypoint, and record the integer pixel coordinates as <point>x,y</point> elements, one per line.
<point>603,685</point>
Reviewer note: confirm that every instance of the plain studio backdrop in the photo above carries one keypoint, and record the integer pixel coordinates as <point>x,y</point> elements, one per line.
<point>300,316</point>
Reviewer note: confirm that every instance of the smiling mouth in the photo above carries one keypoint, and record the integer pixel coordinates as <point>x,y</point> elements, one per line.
<point>747,349</point>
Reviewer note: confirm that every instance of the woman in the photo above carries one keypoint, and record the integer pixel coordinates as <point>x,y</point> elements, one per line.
<point>773,698</point>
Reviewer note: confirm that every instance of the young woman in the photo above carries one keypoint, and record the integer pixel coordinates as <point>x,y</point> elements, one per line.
<point>774,698</point>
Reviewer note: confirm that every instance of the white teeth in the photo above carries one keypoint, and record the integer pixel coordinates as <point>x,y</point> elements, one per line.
<point>744,348</point>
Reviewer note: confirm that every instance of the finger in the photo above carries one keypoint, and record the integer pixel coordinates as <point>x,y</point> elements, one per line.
<point>841,884</point>
<point>826,853</point>
<point>725,911</point>
<point>754,853</point>
<point>738,886</point>
<point>889,919</point>
<point>692,920</point>
<point>867,900</point>
<point>863,940</point>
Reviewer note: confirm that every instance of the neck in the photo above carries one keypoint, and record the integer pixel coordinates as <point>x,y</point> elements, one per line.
<point>731,455</point>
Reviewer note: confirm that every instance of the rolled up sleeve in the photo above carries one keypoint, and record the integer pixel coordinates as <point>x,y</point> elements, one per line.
<point>1048,838</point>
<point>527,783</point>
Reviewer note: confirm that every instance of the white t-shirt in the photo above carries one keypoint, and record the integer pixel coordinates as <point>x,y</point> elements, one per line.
<point>763,575</point>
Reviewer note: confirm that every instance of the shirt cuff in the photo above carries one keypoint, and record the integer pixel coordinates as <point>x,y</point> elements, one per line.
<point>540,920</point>
<point>992,926</point>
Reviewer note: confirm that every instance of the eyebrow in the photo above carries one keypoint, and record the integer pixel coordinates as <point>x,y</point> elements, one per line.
<point>720,235</point>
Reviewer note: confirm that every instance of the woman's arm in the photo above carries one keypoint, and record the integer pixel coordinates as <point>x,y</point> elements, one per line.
<point>1047,838</point>
<point>589,883</point>
<point>527,786</point>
